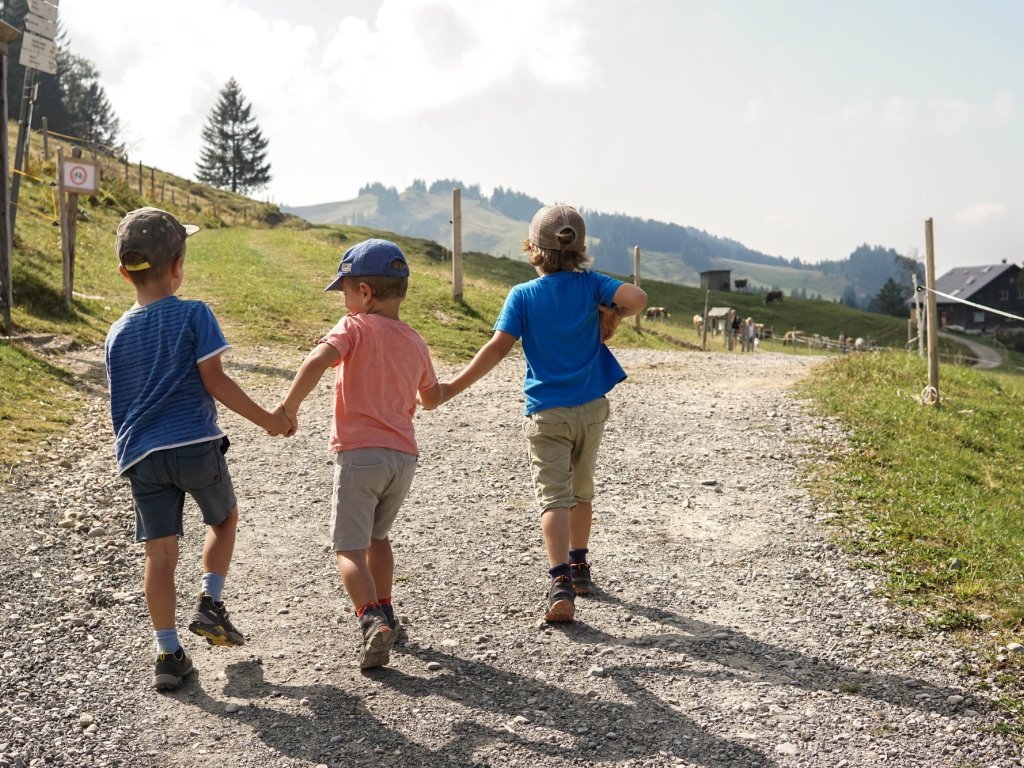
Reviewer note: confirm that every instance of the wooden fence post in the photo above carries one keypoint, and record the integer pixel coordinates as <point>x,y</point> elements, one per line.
<point>636,278</point>
<point>931,316</point>
<point>457,244</point>
<point>46,140</point>
<point>704,324</point>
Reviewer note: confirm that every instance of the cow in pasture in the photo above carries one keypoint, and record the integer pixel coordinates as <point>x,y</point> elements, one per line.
<point>772,296</point>
<point>794,338</point>
<point>656,313</point>
<point>698,321</point>
<point>740,283</point>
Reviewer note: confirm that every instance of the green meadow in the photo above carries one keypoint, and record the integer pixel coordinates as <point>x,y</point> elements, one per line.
<point>930,495</point>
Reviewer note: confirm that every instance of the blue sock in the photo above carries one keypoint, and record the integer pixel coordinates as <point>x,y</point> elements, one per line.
<point>167,640</point>
<point>562,569</point>
<point>578,555</point>
<point>213,585</point>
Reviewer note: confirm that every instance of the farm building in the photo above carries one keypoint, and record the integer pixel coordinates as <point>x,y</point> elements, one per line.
<point>718,319</point>
<point>995,285</point>
<point>716,280</point>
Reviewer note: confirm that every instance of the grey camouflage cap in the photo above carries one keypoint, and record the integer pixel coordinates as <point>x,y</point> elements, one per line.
<point>154,235</point>
<point>558,228</point>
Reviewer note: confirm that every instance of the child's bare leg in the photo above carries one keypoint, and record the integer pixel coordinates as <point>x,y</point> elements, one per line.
<point>158,584</point>
<point>381,562</point>
<point>554,524</point>
<point>219,545</point>
<point>580,518</point>
<point>356,576</point>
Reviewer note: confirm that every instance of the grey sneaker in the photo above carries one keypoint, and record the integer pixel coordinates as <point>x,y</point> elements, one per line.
<point>581,578</point>
<point>170,669</point>
<point>397,633</point>
<point>375,650</point>
<point>561,600</point>
<point>211,621</point>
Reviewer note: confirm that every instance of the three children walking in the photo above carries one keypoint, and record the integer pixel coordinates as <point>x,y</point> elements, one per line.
<point>165,374</point>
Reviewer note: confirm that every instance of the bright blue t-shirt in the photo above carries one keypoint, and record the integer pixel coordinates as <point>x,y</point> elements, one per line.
<point>556,317</point>
<point>157,399</point>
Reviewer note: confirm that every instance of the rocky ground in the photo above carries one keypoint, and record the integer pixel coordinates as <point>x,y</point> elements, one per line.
<point>729,629</point>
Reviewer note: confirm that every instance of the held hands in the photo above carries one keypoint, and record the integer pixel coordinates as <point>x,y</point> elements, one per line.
<point>609,320</point>
<point>284,423</point>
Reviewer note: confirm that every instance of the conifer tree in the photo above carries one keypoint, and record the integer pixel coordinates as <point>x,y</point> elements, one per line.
<point>234,153</point>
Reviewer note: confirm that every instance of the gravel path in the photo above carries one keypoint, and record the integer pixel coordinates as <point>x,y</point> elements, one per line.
<point>729,630</point>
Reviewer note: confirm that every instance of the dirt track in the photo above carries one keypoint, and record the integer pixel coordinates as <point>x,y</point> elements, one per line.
<point>729,630</point>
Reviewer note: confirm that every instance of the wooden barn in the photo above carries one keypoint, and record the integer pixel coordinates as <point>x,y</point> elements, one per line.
<point>993,285</point>
<point>716,280</point>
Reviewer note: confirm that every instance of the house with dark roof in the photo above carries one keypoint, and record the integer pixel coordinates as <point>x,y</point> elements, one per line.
<point>997,286</point>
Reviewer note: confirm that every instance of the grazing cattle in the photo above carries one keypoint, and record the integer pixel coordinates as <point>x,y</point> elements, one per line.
<point>698,321</point>
<point>772,296</point>
<point>794,338</point>
<point>740,283</point>
<point>656,313</point>
<point>858,344</point>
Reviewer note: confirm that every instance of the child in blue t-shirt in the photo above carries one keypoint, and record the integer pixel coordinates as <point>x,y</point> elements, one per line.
<point>164,371</point>
<point>563,318</point>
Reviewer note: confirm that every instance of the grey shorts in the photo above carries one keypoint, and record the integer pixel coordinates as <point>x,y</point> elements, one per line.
<point>370,485</point>
<point>161,480</point>
<point>563,452</point>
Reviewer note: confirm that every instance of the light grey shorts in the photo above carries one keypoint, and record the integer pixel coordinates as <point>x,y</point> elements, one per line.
<point>563,452</point>
<point>370,485</point>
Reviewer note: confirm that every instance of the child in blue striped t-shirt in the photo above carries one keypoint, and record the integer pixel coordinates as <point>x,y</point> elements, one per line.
<point>164,371</point>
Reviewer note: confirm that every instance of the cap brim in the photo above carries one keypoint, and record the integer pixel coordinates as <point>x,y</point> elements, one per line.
<point>190,229</point>
<point>336,285</point>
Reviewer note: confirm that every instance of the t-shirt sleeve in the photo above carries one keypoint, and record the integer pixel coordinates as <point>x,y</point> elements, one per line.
<point>341,337</point>
<point>510,319</point>
<point>606,288</point>
<point>429,378</point>
<point>209,338</point>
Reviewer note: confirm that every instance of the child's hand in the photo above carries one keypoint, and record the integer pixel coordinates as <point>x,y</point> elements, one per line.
<point>609,319</point>
<point>282,424</point>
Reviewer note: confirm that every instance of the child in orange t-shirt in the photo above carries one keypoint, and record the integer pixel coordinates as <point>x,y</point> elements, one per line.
<point>383,369</point>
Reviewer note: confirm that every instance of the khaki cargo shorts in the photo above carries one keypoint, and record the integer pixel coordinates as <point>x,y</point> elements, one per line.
<point>563,452</point>
<point>370,485</point>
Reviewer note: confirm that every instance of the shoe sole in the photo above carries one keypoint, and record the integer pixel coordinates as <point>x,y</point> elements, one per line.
<point>560,611</point>
<point>581,589</point>
<point>168,682</point>
<point>378,652</point>
<point>214,634</point>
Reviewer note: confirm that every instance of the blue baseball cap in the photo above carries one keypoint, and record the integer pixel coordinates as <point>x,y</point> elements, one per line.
<point>370,258</point>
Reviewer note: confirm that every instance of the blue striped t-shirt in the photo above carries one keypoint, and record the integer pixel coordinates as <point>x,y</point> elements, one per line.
<point>157,399</point>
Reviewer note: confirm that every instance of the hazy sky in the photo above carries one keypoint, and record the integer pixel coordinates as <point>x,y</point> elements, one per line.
<point>801,129</point>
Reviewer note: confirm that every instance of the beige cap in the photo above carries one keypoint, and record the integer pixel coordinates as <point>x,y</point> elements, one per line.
<point>558,228</point>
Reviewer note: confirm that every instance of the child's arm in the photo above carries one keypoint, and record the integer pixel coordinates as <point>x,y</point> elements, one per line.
<point>431,398</point>
<point>226,391</point>
<point>627,301</point>
<point>490,355</point>
<point>322,357</point>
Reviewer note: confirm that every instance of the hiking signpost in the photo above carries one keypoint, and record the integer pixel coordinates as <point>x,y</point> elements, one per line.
<point>73,176</point>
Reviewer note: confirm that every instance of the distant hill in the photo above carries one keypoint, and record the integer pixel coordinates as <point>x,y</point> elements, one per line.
<point>670,252</point>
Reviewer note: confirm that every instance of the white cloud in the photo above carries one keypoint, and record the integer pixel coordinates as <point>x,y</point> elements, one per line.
<point>898,114</point>
<point>981,213</point>
<point>1003,107</point>
<point>424,54</point>
<point>951,116</point>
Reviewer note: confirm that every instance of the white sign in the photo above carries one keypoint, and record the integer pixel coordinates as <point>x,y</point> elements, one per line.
<point>35,60</point>
<point>44,9</point>
<point>80,176</point>
<point>39,44</point>
<point>40,26</point>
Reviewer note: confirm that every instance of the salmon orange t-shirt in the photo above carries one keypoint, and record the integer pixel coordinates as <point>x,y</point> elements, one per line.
<point>383,363</point>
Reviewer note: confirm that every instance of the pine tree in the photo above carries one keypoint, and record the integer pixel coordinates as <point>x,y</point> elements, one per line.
<point>234,153</point>
<point>90,115</point>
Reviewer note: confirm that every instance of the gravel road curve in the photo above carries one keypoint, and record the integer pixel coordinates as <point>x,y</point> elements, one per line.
<point>729,628</point>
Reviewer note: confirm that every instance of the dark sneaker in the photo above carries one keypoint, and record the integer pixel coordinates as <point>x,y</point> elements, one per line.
<point>397,633</point>
<point>170,669</point>
<point>212,622</point>
<point>377,639</point>
<point>561,597</point>
<point>581,578</point>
